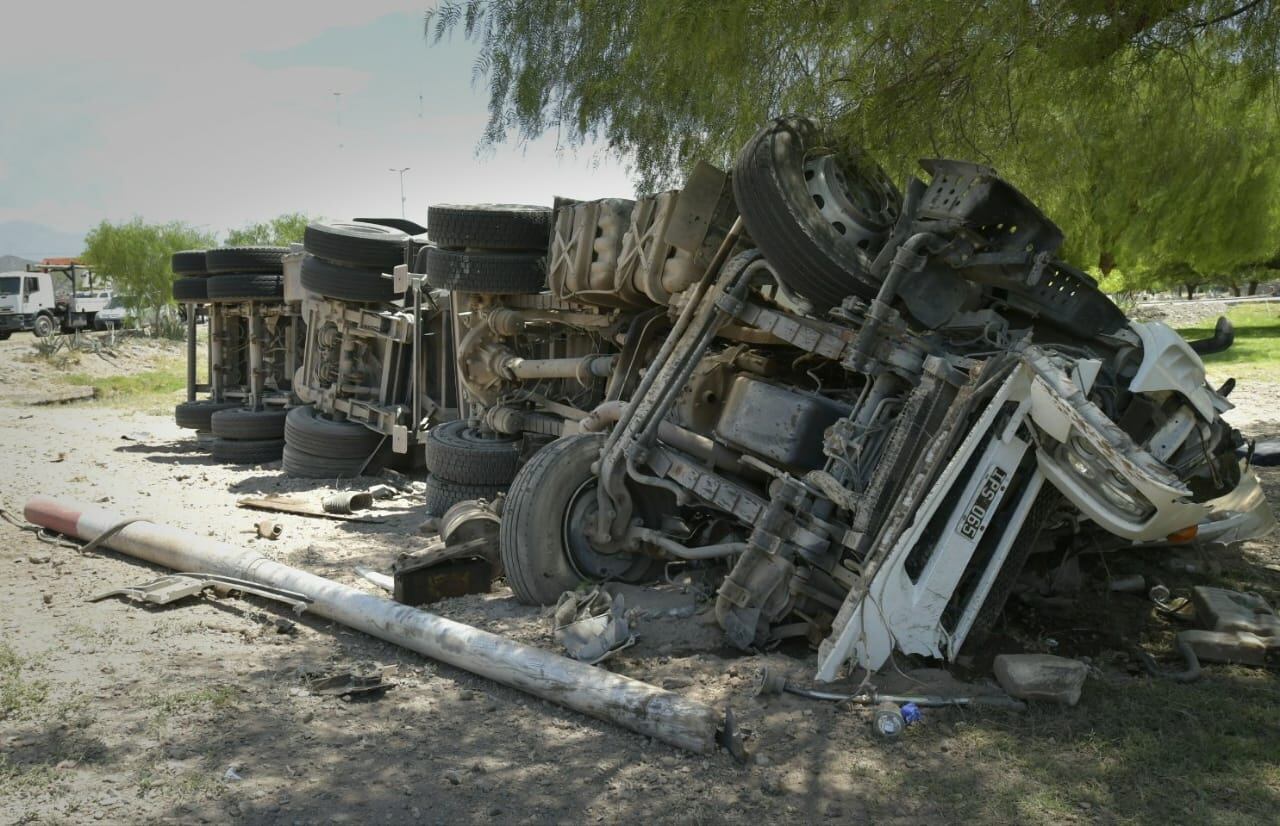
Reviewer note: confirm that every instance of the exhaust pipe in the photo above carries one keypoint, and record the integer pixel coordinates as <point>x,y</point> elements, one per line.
<point>643,708</point>
<point>1224,335</point>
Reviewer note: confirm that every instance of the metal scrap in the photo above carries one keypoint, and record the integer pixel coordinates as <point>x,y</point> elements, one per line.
<point>173,587</point>
<point>592,627</point>
<point>297,507</point>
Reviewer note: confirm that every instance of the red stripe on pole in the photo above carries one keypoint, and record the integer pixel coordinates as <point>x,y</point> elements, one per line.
<point>52,514</point>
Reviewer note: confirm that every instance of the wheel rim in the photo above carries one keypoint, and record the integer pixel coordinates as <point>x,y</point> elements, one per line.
<point>43,326</point>
<point>480,437</point>
<point>585,560</point>
<point>854,200</point>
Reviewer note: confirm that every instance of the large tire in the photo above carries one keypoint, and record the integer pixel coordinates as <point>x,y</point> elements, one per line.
<point>302,464</point>
<point>246,287</point>
<point>306,431</point>
<point>823,261</point>
<point>1266,453</point>
<point>245,259</point>
<point>494,273</point>
<point>490,226</point>
<point>442,494</point>
<point>44,326</point>
<point>198,415</point>
<point>191,289</point>
<point>406,226</point>
<point>243,423</point>
<point>189,262</point>
<point>457,452</point>
<point>543,514</point>
<point>247,451</point>
<point>345,283</point>
<point>366,246</point>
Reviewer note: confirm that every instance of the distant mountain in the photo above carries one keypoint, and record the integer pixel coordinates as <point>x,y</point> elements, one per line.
<point>35,241</point>
<point>10,263</point>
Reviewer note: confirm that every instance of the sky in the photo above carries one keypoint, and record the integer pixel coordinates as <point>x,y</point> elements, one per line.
<point>223,114</point>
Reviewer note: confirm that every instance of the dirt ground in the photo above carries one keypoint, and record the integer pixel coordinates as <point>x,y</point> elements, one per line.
<point>198,712</point>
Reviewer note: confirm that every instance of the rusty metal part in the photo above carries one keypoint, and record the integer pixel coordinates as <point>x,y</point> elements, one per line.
<point>347,501</point>
<point>297,507</point>
<point>173,587</point>
<point>269,529</point>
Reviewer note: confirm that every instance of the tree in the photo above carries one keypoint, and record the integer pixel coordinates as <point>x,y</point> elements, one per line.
<point>280,231</point>
<point>136,257</point>
<point>1142,127</point>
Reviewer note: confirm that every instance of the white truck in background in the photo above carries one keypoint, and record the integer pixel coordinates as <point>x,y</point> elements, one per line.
<point>30,301</point>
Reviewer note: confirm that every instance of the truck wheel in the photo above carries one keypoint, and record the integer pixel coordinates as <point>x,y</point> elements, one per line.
<point>490,226</point>
<point>5,335</point>
<point>243,423</point>
<point>197,415</point>
<point>493,273</point>
<point>345,283</point>
<point>245,287</point>
<point>405,226</point>
<point>245,259</point>
<point>457,452</point>
<point>306,430</point>
<point>365,246</point>
<point>189,262</point>
<point>442,494</point>
<point>191,289</point>
<point>819,217</point>
<point>302,464</point>
<point>247,451</point>
<point>43,327</point>
<point>545,551</point>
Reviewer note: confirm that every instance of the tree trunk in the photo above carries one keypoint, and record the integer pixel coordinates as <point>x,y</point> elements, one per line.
<point>1235,290</point>
<point>1191,291</point>
<point>1253,288</point>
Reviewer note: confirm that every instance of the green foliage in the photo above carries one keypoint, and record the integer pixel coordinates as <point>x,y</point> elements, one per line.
<point>136,257</point>
<point>1146,129</point>
<point>280,231</point>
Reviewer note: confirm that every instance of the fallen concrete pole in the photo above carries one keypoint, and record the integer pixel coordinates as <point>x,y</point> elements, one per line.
<point>641,707</point>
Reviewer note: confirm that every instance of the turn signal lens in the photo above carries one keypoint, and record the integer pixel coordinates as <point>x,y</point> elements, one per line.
<point>1185,535</point>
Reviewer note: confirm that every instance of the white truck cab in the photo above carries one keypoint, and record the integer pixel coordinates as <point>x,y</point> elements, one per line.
<point>30,301</point>
<point>27,302</point>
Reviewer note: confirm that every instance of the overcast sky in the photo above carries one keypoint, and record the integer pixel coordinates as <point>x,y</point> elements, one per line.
<point>224,113</point>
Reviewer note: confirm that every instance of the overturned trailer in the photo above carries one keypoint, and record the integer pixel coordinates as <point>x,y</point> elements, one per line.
<point>870,409</point>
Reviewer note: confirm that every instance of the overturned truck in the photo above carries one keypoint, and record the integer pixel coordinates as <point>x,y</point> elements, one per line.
<point>868,409</point>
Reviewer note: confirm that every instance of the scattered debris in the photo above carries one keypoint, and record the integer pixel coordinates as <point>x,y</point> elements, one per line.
<point>592,627</point>
<point>173,587</point>
<point>298,507</point>
<point>269,529</point>
<point>643,708</point>
<point>1239,627</point>
<point>772,682</point>
<point>383,492</point>
<point>461,559</point>
<point>349,684</point>
<point>1041,677</point>
<point>348,501</point>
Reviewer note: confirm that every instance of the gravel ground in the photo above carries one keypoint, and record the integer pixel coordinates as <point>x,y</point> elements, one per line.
<point>197,711</point>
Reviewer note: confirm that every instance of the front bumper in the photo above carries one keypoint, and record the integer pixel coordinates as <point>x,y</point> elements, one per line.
<point>10,322</point>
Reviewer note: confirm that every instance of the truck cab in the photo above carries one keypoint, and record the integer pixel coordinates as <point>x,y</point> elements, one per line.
<point>27,302</point>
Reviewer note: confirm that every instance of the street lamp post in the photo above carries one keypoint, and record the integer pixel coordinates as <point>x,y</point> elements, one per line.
<point>401,171</point>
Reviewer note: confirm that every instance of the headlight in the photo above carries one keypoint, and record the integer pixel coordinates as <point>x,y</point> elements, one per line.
<point>1088,464</point>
